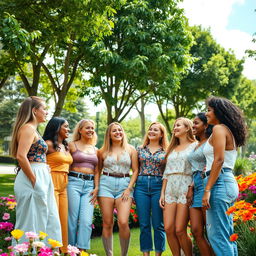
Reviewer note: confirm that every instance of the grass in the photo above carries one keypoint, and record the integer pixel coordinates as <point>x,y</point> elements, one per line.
<point>134,249</point>
<point>6,188</point>
<point>6,184</point>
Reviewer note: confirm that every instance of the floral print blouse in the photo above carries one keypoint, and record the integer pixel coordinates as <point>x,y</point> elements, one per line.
<point>150,164</point>
<point>37,151</point>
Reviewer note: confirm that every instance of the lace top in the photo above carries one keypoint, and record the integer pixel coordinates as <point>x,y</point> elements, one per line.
<point>37,151</point>
<point>150,163</point>
<point>178,161</point>
<point>112,165</point>
<point>197,159</point>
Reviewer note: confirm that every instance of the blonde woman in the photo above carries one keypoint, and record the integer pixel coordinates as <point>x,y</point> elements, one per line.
<point>176,179</point>
<point>116,157</point>
<point>36,206</point>
<point>83,184</point>
<point>148,189</point>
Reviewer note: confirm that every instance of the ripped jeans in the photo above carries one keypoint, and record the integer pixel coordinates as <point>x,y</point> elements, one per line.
<point>219,225</point>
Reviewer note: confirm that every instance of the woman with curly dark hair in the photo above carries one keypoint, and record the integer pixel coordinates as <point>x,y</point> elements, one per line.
<point>221,189</point>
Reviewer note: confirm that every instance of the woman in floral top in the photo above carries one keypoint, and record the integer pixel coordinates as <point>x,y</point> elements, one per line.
<point>148,188</point>
<point>176,179</point>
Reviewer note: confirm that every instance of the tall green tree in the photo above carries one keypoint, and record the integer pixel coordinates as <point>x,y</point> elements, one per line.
<point>148,46</point>
<point>65,26</point>
<point>213,71</point>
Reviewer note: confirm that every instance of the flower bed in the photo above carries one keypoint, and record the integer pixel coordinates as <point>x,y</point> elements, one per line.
<point>7,215</point>
<point>244,214</point>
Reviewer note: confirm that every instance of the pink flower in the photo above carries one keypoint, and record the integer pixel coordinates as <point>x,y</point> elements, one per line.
<point>21,248</point>
<point>8,226</point>
<point>72,250</point>
<point>115,211</point>
<point>8,238</point>
<point>45,251</point>
<point>6,216</point>
<point>31,235</point>
<point>10,248</point>
<point>93,226</point>
<point>4,254</point>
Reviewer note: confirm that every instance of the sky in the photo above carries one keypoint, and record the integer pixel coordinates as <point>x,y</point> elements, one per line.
<point>232,24</point>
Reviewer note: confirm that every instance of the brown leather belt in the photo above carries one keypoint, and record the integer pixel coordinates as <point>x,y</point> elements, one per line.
<point>116,175</point>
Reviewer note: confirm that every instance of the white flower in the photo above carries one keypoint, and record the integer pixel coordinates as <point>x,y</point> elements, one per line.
<point>38,244</point>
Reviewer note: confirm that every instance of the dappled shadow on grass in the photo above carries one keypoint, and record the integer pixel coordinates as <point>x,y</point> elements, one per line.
<point>6,184</point>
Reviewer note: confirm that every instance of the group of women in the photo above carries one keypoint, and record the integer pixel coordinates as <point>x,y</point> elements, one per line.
<point>189,178</point>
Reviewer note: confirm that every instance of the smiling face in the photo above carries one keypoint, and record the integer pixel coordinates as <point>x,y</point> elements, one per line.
<point>211,117</point>
<point>198,127</point>
<point>87,131</point>
<point>40,113</point>
<point>116,133</point>
<point>179,129</point>
<point>64,130</point>
<point>154,132</point>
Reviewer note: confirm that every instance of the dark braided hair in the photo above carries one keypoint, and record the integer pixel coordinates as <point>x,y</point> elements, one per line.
<point>203,118</point>
<point>52,131</point>
<point>230,115</point>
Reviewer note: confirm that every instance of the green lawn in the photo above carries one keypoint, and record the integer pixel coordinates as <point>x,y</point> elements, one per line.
<point>6,184</point>
<point>134,249</point>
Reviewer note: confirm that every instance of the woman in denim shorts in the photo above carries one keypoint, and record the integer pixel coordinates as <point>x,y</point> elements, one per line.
<point>116,158</point>
<point>196,190</point>
<point>221,189</point>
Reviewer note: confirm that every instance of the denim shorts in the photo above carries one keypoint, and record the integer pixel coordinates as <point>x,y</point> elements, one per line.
<point>113,187</point>
<point>198,189</point>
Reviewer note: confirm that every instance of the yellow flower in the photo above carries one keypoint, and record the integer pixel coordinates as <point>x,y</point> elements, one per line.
<point>83,253</point>
<point>17,234</point>
<point>42,235</point>
<point>54,243</point>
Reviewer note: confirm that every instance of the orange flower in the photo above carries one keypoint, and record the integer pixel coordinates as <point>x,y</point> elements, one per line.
<point>230,210</point>
<point>233,237</point>
<point>247,216</point>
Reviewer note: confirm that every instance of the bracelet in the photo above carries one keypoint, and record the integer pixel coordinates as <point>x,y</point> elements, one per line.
<point>207,190</point>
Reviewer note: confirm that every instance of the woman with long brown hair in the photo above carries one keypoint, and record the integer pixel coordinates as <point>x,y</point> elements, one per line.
<point>116,158</point>
<point>36,206</point>
<point>176,179</point>
<point>148,189</point>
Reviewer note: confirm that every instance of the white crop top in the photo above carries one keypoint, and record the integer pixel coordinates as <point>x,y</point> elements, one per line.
<point>229,156</point>
<point>112,165</point>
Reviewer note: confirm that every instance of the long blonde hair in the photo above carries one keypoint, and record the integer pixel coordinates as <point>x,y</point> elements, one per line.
<point>24,115</point>
<point>106,147</point>
<point>175,141</point>
<point>163,142</point>
<point>79,126</point>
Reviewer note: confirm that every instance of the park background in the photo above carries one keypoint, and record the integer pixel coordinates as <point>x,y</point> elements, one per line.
<point>131,61</point>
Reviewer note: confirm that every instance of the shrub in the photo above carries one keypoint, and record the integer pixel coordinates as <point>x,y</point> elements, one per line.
<point>242,166</point>
<point>7,160</point>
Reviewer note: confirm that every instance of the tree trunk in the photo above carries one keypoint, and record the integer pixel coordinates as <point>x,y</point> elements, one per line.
<point>2,82</point>
<point>142,117</point>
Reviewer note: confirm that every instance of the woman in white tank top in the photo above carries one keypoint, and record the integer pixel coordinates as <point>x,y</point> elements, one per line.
<point>221,189</point>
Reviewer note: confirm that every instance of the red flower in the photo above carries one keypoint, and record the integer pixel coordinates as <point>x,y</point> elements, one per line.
<point>233,237</point>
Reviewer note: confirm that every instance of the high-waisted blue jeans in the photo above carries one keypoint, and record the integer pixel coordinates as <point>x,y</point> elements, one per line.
<point>80,212</point>
<point>220,225</point>
<point>147,194</point>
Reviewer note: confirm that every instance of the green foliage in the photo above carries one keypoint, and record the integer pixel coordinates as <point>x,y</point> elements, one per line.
<point>247,237</point>
<point>242,166</point>
<point>148,46</point>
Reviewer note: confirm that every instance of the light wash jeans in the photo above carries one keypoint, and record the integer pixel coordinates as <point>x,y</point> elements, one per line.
<point>36,208</point>
<point>220,225</point>
<point>80,212</point>
<point>147,194</point>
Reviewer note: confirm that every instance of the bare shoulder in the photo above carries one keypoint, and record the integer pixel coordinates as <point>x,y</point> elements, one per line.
<point>50,146</point>
<point>132,150</point>
<point>27,130</point>
<point>71,146</point>
<point>219,128</point>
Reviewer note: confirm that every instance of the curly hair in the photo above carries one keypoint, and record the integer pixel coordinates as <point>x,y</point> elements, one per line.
<point>230,115</point>
<point>51,132</point>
